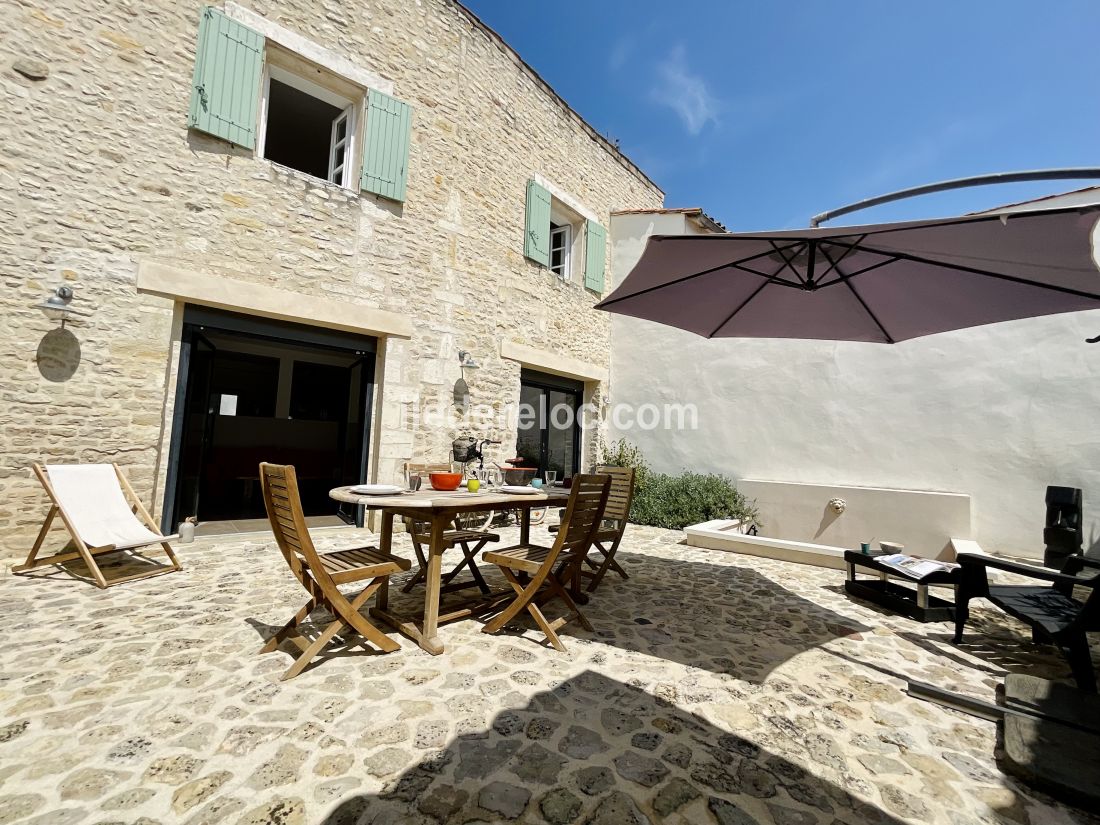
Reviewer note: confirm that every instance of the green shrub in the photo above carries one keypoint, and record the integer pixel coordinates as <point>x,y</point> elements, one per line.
<point>624,454</point>
<point>674,502</point>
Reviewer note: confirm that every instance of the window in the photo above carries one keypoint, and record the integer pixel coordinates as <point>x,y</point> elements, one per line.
<point>558,236</point>
<point>308,127</point>
<point>250,91</point>
<point>560,249</point>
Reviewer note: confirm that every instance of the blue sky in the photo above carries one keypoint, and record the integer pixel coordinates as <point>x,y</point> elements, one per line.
<point>765,113</point>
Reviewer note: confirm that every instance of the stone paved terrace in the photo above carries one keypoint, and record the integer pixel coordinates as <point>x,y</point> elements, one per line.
<point>716,689</point>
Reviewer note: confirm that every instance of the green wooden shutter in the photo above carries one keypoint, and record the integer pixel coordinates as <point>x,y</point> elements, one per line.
<point>386,151</point>
<point>225,90</point>
<point>594,255</point>
<point>536,243</point>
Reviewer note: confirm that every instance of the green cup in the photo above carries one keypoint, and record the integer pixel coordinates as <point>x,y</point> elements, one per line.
<point>473,485</point>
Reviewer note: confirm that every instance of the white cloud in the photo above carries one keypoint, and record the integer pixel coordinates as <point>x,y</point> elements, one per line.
<point>684,92</point>
<point>620,53</point>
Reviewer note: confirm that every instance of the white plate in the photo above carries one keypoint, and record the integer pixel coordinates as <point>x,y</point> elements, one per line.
<point>516,490</point>
<point>376,489</point>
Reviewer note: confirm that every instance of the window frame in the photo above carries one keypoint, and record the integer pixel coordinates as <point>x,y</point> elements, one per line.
<point>565,232</point>
<point>353,110</point>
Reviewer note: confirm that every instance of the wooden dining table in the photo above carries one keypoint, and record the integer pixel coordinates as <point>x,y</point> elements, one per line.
<point>438,509</point>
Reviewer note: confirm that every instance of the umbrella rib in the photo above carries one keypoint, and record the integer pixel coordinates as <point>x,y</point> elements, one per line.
<point>745,303</point>
<point>787,261</point>
<point>737,264</point>
<point>862,303</point>
<point>833,265</point>
<point>905,256</point>
<point>851,275</point>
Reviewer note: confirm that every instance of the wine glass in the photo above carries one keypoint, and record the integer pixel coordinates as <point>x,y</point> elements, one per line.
<point>551,477</point>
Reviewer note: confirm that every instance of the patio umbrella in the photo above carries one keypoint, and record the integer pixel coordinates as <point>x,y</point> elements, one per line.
<point>880,283</point>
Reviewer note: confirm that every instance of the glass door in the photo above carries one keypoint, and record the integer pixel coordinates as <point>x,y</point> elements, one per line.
<point>549,434</point>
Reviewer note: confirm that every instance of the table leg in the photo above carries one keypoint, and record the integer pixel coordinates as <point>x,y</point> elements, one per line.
<point>851,572</point>
<point>385,544</point>
<point>525,525</point>
<point>433,581</point>
<point>922,596</point>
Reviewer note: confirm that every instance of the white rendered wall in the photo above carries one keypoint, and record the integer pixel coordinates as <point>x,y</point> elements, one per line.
<point>996,412</point>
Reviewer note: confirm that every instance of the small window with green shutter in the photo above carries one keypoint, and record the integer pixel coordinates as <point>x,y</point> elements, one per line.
<point>257,94</point>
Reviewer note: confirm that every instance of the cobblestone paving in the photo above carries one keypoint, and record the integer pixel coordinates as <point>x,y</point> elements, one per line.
<point>716,688</point>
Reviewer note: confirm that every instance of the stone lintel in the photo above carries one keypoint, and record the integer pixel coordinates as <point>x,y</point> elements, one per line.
<point>257,299</point>
<point>552,362</point>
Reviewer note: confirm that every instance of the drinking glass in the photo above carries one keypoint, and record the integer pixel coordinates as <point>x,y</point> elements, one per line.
<point>551,477</point>
<point>413,480</point>
<point>496,477</point>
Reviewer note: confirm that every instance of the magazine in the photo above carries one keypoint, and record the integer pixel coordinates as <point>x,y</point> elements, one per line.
<point>915,568</point>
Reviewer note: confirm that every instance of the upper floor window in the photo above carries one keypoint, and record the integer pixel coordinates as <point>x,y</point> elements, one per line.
<point>291,111</point>
<point>308,126</point>
<point>561,239</point>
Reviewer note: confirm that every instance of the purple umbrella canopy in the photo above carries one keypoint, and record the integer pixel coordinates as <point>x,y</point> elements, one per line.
<point>879,283</point>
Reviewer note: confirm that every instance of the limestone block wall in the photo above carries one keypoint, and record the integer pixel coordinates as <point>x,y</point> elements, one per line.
<point>98,174</point>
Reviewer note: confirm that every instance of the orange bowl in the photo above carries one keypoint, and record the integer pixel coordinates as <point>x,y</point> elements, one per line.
<point>445,481</point>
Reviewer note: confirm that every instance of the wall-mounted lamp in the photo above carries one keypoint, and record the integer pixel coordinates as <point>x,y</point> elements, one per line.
<point>462,389</point>
<point>57,306</point>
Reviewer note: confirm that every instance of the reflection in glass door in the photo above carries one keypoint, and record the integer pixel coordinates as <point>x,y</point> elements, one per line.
<point>549,434</point>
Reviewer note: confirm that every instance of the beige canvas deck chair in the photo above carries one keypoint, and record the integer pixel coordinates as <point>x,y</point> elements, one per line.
<point>470,542</point>
<point>321,573</point>
<point>607,539</point>
<point>100,510</point>
<point>530,569</point>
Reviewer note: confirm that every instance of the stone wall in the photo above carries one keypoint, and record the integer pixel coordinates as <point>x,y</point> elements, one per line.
<point>99,174</point>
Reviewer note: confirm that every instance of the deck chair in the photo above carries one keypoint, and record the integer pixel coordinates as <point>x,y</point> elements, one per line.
<point>1050,610</point>
<point>470,542</point>
<point>530,569</point>
<point>612,527</point>
<point>321,573</point>
<point>98,507</point>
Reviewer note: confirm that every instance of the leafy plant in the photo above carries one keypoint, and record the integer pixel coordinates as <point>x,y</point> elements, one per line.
<point>622,453</point>
<point>674,502</point>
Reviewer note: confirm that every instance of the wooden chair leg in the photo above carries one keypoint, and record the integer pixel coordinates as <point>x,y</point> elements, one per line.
<point>313,649</point>
<point>523,596</point>
<point>574,611</point>
<point>284,631</point>
<point>607,563</point>
<point>349,612</point>
<point>29,563</point>
<point>545,627</point>
<point>469,560</point>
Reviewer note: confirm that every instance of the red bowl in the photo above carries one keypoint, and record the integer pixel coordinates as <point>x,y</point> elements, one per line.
<point>445,481</point>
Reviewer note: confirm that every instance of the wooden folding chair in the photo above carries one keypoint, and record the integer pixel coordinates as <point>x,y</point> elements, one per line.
<point>321,573</point>
<point>102,513</point>
<point>587,500</point>
<point>470,542</point>
<point>612,527</point>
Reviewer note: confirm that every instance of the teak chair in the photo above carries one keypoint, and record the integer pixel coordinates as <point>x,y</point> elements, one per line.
<point>102,513</point>
<point>587,500</point>
<point>321,573</point>
<point>612,526</point>
<point>1051,611</point>
<point>470,542</point>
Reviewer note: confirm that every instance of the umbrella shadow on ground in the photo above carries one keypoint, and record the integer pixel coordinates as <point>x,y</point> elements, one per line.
<point>594,749</point>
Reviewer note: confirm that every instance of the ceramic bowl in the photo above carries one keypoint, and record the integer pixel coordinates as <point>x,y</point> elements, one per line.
<point>445,481</point>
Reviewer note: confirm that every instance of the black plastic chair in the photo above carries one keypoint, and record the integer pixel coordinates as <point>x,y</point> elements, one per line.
<point>1053,613</point>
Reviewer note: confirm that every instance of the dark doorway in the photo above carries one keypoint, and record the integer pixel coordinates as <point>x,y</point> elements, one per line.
<point>549,435</point>
<point>253,390</point>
